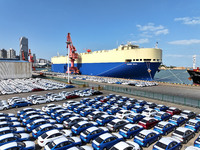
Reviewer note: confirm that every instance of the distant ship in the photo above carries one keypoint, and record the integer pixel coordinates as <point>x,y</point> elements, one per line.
<point>195,76</point>
<point>127,61</point>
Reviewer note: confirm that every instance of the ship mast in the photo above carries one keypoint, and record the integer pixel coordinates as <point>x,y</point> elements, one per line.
<point>194,61</point>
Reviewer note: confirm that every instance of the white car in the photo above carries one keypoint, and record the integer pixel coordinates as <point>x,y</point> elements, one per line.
<point>83,94</point>
<point>66,104</point>
<point>14,145</point>
<point>56,98</point>
<point>40,101</point>
<point>123,113</point>
<point>4,106</point>
<point>126,146</point>
<point>192,148</point>
<point>82,148</point>
<point>49,136</point>
<point>149,112</point>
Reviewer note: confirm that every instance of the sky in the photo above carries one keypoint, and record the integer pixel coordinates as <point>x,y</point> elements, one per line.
<point>103,24</point>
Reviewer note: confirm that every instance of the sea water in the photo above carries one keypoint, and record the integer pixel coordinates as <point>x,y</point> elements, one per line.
<point>173,76</point>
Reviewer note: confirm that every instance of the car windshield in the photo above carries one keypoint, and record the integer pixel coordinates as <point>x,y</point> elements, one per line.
<point>125,128</point>
<point>173,118</point>
<point>132,116</point>
<point>159,114</point>
<point>179,132</point>
<point>44,135</point>
<point>112,123</point>
<point>76,125</point>
<point>161,145</point>
<point>101,118</point>
<point>51,145</point>
<point>120,112</point>
<point>114,148</point>
<point>143,120</point>
<point>86,132</point>
<point>98,140</point>
<point>191,123</point>
<point>141,135</point>
<point>160,125</point>
<point>146,110</point>
<point>185,113</point>
<point>21,144</point>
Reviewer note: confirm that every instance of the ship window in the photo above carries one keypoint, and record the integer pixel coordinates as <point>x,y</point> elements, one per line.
<point>137,59</point>
<point>140,59</point>
<point>128,60</point>
<point>133,59</point>
<point>147,59</point>
<point>157,59</point>
<point>154,59</point>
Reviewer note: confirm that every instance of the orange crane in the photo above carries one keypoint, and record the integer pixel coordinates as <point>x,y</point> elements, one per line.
<point>23,57</point>
<point>72,55</point>
<point>31,58</point>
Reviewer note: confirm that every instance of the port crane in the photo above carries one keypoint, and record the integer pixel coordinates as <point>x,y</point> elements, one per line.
<point>31,58</point>
<point>72,55</point>
<point>23,57</point>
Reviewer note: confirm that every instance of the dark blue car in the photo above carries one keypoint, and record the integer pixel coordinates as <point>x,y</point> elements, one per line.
<point>177,120</point>
<point>128,106</point>
<point>97,105</point>
<point>81,126</point>
<point>193,125</point>
<point>197,142</point>
<point>164,127</point>
<point>138,109</point>
<point>72,106</point>
<point>130,130</point>
<point>84,100</point>
<point>105,119</point>
<point>161,115</point>
<point>113,110</point>
<point>98,98</point>
<point>134,118</point>
<point>90,102</point>
<point>111,101</point>
<point>35,124</point>
<point>21,104</point>
<point>64,117</point>
<point>80,108</point>
<point>86,112</point>
<point>161,108</point>
<point>140,102</point>
<point>104,107</point>
<point>91,133</point>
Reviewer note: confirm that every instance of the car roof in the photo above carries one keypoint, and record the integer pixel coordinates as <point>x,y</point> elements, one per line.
<point>105,136</point>
<point>176,116</point>
<point>146,132</point>
<point>148,118</point>
<point>92,129</point>
<point>45,125</point>
<point>161,112</point>
<point>187,111</point>
<point>164,123</point>
<point>121,144</point>
<point>59,140</point>
<point>8,145</point>
<point>172,107</point>
<point>132,125</point>
<point>193,120</point>
<point>104,116</point>
<point>6,135</point>
<point>83,122</point>
<point>123,110</point>
<point>50,132</point>
<point>116,120</point>
<point>167,140</point>
<point>182,129</point>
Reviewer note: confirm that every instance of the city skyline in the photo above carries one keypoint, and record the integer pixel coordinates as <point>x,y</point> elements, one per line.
<point>99,25</point>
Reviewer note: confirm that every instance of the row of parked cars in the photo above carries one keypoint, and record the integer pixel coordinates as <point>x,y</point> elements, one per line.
<point>35,99</point>
<point>11,86</point>
<point>105,79</point>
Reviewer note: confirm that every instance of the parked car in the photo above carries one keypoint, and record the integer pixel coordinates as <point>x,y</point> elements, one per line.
<point>161,115</point>
<point>138,109</point>
<point>134,118</point>
<point>149,112</point>
<point>64,143</point>
<point>123,113</point>
<point>161,108</point>
<point>173,111</point>
<point>146,137</point>
<point>193,125</point>
<point>25,145</point>
<point>177,120</point>
<point>21,103</point>
<point>183,134</point>
<point>164,127</point>
<point>197,142</point>
<point>95,114</point>
<point>106,141</point>
<point>97,105</point>
<point>91,133</point>
<point>113,110</point>
<point>72,121</point>
<point>104,107</point>
<point>188,114</point>
<point>36,123</point>
<point>148,122</point>
<point>104,119</point>
<point>128,106</point>
<point>130,130</point>
<point>40,101</point>
<point>64,117</point>
<point>86,111</point>
<point>167,143</point>
<point>128,145</point>
<point>192,148</point>
<point>81,126</point>
<point>42,129</point>
<point>116,124</point>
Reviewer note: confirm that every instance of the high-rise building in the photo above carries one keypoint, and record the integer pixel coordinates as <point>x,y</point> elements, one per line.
<point>34,58</point>
<point>24,47</point>
<point>3,53</point>
<point>11,53</point>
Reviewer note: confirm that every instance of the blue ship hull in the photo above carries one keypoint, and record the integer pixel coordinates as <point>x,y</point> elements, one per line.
<point>119,70</point>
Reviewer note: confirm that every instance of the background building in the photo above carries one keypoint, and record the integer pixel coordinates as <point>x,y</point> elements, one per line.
<point>24,47</point>
<point>3,53</point>
<point>11,54</point>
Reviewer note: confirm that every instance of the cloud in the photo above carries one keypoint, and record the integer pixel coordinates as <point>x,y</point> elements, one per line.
<point>141,41</point>
<point>150,29</point>
<point>189,20</point>
<point>185,42</point>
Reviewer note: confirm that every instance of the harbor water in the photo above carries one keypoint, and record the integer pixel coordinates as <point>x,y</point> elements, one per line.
<point>173,76</point>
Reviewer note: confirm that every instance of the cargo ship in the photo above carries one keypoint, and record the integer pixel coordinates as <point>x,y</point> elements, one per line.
<point>195,76</point>
<point>127,61</point>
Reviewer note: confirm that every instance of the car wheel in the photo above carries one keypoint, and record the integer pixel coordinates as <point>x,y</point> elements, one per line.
<point>29,104</point>
<point>37,103</point>
<point>131,136</point>
<point>193,135</point>
<point>186,141</point>
<point>90,141</point>
<point>179,147</point>
<point>166,133</point>
<point>5,108</point>
<point>147,145</point>
<point>16,106</point>
<point>116,130</point>
<point>104,148</point>
<point>159,137</point>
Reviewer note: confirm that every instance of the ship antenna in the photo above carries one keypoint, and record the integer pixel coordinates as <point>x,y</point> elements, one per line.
<point>194,61</point>
<point>156,46</point>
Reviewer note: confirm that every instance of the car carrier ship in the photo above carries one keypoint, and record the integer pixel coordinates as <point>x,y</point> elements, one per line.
<point>127,61</point>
